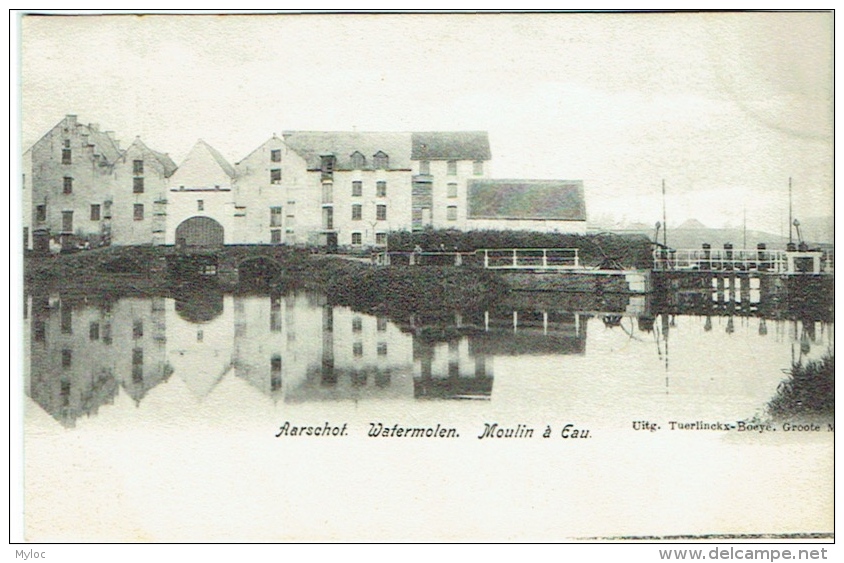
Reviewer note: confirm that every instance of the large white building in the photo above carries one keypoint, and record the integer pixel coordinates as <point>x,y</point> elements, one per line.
<point>336,189</point>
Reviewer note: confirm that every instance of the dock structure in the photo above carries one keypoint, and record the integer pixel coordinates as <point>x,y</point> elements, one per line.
<point>793,261</point>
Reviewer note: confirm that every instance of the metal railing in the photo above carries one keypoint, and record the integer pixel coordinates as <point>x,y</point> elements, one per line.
<point>530,258</point>
<point>742,260</point>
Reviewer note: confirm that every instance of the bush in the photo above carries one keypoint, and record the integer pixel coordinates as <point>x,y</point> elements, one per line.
<point>808,391</point>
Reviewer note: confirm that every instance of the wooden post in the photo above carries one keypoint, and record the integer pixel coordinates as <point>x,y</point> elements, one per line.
<point>515,263</point>
<point>544,257</point>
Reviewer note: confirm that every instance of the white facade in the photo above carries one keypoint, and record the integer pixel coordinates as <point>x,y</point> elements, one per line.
<point>346,190</point>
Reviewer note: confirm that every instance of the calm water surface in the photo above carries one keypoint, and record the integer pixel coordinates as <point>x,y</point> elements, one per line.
<point>154,419</point>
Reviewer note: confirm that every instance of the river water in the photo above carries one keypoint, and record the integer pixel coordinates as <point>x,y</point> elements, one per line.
<point>156,418</point>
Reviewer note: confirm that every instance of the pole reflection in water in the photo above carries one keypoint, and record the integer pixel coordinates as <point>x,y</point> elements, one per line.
<point>297,347</point>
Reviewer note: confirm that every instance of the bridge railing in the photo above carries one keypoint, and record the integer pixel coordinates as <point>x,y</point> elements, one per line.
<point>760,260</point>
<point>530,258</point>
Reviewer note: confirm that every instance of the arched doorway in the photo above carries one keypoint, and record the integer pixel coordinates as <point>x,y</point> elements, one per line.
<point>259,272</point>
<point>199,231</point>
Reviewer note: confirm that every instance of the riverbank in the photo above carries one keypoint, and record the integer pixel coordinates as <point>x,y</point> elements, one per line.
<point>355,283</point>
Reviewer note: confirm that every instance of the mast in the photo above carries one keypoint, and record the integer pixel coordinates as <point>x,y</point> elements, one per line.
<point>789,211</point>
<point>664,222</point>
<point>744,233</point>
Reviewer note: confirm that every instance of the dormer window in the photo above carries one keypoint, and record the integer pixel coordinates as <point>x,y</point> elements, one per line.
<point>358,160</point>
<point>327,163</point>
<point>382,161</point>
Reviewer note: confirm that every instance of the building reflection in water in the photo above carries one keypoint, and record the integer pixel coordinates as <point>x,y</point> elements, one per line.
<point>81,351</point>
<point>297,347</point>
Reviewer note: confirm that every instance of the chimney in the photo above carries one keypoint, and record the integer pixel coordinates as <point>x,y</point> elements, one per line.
<point>71,120</point>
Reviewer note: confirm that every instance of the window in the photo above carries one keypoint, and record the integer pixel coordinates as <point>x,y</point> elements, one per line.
<point>200,205</point>
<point>357,349</point>
<point>382,161</point>
<point>40,212</point>
<point>139,212</point>
<point>137,167</point>
<point>452,189</point>
<point>327,163</point>
<point>275,320</point>
<point>381,239</point>
<point>275,236</point>
<point>381,189</point>
<point>107,210</point>
<point>275,373</point>
<point>358,160</point>
<point>381,212</point>
<point>67,359</point>
<point>94,331</point>
<point>275,216</point>
<point>107,334</point>
<point>68,185</point>
<point>357,188</point>
<point>357,239</point>
<point>95,212</point>
<point>424,166</point>
<point>357,324</point>
<point>451,213</point>
<point>275,155</point>
<point>275,176</point>
<point>328,192</point>
<point>66,319</point>
<point>67,221</point>
<point>328,218</point>
<point>137,366</point>
<point>137,185</point>
<point>452,168</point>
<point>66,158</point>
<point>357,212</point>
<point>137,329</point>
<point>382,324</point>
<point>478,167</point>
<point>382,348</point>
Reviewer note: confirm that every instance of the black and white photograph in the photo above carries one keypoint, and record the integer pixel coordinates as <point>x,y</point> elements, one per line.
<point>424,277</point>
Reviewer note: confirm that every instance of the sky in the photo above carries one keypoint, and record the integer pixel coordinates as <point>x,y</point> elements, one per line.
<point>724,107</point>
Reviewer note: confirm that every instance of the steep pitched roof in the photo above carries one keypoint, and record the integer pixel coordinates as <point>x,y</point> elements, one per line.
<point>164,159</point>
<point>561,200</point>
<point>103,143</point>
<point>451,145</point>
<point>224,164</point>
<point>311,145</point>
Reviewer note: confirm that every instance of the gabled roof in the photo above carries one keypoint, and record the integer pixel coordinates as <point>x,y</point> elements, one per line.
<point>561,200</point>
<point>312,145</point>
<point>451,145</point>
<point>103,143</point>
<point>164,159</point>
<point>224,164</point>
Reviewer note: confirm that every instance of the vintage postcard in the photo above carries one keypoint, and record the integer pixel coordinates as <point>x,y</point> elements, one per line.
<point>488,277</point>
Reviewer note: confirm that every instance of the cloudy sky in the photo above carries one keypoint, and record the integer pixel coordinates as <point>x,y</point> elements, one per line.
<point>723,107</point>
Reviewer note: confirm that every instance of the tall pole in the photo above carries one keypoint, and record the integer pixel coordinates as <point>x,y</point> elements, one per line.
<point>789,211</point>
<point>664,222</point>
<point>744,234</point>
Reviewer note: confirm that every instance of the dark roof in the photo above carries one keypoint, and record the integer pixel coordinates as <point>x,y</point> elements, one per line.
<point>312,145</point>
<point>451,145</point>
<point>561,200</point>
